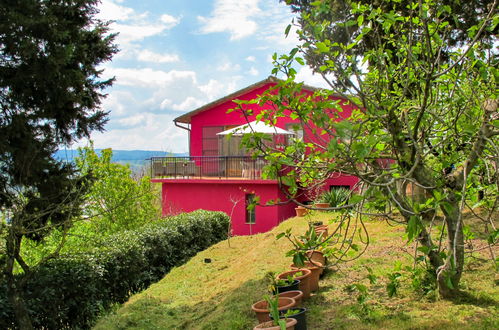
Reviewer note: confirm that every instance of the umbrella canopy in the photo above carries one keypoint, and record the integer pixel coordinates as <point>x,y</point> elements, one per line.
<point>255,127</point>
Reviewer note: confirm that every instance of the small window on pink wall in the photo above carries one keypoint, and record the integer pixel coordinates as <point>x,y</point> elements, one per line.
<point>250,212</point>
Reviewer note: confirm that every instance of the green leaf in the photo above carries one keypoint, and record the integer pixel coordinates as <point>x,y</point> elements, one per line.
<point>360,20</point>
<point>322,47</point>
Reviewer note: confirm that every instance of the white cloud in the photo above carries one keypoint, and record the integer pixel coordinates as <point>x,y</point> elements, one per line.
<point>148,77</point>
<point>212,89</point>
<point>132,26</point>
<point>169,20</point>
<point>228,66</point>
<point>253,71</point>
<point>132,120</point>
<point>149,56</point>
<point>310,78</point>
<point>129,33</point>
<point>250,58</point>
<point>151,132</point>
<point>190,103</point>
<point>109,10</point>
<point>234,16</point>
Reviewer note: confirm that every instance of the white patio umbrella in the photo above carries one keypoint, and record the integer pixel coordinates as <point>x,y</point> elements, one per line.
<point>258,127</point>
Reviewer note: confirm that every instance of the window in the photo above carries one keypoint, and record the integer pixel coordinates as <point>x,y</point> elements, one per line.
<point>250,208</point>
<point>295,128</point>
<point>210,140</point>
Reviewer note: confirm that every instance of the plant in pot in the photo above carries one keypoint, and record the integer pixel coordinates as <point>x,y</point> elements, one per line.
<point>311,241</point>
<point>315,269</point>
<point>321,201</point>
<point>336,197</point>
<point>299,314</point>
<point>301,211</point>
<point>274,320</point>
<point>303,275</point>
<point>278,285</point>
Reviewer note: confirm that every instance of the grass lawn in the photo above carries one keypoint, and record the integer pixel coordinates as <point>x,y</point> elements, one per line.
<point>219,294</point>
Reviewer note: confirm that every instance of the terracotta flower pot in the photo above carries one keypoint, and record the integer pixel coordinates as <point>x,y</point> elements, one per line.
<point>304,285</point>
<point>316,256</point>
<point>301,211</point>
<point>297,295</point>
<point>290,325</point>
<point>315,268</point>
<point>321,205</point>
<point>261,308</point>
<point>324,232</point>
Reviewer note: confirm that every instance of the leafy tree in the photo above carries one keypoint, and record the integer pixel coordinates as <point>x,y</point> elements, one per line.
<point>116,201</point>
<point>50,94</point>
<point>425,114</point>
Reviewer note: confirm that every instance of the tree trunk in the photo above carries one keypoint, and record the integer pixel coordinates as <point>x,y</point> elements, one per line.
<point>14,290</point>
<point>16,300</point>
<point>449,275</point>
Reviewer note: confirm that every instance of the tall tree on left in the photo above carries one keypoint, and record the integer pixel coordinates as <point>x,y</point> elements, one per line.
<point>50,95</point>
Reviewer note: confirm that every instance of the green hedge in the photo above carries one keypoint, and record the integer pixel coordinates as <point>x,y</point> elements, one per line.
<point>69,292</point>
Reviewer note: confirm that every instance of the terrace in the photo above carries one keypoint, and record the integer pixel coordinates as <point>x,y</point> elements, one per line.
<point>207,167</point>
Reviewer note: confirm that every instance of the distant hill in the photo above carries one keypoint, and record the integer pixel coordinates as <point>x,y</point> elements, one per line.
<point>135,158</point>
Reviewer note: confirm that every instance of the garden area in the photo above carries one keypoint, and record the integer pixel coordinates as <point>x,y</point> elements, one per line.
<point>217,287</point>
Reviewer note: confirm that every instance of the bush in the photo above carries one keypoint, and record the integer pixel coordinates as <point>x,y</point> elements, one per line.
<point>335,197</point>
<point>71,291</point>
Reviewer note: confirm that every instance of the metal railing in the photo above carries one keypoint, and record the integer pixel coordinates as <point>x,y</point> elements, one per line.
<point>207,167</point>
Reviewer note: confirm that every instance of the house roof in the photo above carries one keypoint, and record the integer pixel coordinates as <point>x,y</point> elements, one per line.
<point>186,118</point>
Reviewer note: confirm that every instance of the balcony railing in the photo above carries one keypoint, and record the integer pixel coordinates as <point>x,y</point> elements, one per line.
<point>207,167</point>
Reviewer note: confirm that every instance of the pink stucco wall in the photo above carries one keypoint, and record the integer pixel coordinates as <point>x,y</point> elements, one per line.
<point>219,195</point>
<point>186,195</point>
<point>218,116</point>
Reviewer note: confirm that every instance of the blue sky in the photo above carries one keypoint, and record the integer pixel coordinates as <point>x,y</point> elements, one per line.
<point>177,55</point>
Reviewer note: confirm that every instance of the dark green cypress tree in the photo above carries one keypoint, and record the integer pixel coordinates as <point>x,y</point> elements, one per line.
<point>50,95</point>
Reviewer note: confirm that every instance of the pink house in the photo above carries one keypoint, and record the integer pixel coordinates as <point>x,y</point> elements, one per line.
<point>217,175</point>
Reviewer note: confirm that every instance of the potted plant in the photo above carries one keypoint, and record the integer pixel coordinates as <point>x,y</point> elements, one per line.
<point>278,285</point>
<point>311,241</point>
<point>321,201</point>
<point>262,308</point>
<point>303,275</point>
<point>301,211</point>
<point>299,314</point>
<point>316,270</point>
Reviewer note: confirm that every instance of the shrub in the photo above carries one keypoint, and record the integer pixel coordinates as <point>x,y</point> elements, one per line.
<point>71,291</point>
<point>335,197</point>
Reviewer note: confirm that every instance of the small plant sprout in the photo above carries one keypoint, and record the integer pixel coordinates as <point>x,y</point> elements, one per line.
<point>274,311</point>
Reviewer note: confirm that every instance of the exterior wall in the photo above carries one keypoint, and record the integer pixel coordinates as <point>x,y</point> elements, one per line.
<point>218,116</point>
<point>217,195</point>
<point>186,195</point>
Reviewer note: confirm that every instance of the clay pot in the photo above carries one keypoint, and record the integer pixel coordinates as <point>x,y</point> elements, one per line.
<point>321,205</point>
<point>261,308</point>
<point>301,211</point>
<point>290,325</point>
<point>321,229</point>
<point>316,256</point>
<point>297,295</point>
<point>304,285</point>
<point>316,269</point>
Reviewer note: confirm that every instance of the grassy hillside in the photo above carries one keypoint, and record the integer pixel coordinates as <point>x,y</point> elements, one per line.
<point>219,294</point>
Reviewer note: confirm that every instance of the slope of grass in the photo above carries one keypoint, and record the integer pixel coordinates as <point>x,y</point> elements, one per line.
<point>216,288</point>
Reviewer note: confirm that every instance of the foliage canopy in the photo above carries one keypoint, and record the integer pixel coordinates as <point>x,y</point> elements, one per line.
<point>424,114</point>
